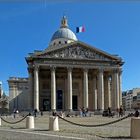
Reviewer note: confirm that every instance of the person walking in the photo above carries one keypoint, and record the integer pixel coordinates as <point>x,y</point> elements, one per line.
<point>120,112</point>
<point>136,113</point>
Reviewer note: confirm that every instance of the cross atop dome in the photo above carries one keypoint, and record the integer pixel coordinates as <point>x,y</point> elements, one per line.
<point>64,22</point>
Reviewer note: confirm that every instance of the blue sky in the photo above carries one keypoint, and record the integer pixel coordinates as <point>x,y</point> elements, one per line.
<point>113,27</point>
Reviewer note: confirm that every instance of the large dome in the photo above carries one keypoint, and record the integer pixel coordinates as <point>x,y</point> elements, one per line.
<point>64,33</point>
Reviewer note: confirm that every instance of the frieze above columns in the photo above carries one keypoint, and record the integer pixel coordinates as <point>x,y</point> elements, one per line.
<point>71,63</point>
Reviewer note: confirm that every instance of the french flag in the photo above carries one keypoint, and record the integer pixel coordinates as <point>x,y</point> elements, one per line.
<point>80,29</point>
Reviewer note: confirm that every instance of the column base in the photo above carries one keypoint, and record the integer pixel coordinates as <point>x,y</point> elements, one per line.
<point>98,112</point>
<point>53,110</point>
<point>70,110</point>
<point>69,113</point>
<point>36,110</point>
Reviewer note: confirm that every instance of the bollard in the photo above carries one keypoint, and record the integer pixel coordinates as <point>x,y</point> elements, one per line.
<point>53,123</point>
<point>135,128</point>
<point>30,122</point>
<point>0,121</point>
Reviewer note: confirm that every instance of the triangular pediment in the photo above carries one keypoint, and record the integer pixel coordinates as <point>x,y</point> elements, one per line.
<point>78,50</point>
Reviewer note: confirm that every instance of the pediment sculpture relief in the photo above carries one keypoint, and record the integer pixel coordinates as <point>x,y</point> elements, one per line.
<point>76,52</point>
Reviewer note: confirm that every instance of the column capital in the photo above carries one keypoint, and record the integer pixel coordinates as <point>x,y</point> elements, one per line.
<point>69,69</point>
<point>52,68</point>
<point>85,69</point>
<point>36,67</point>
<point>94,73</point>
<point>100,70</point>
<point>106,76</point>
<point>30,69</point>
<point>120,71</point>
<point>116,70</point>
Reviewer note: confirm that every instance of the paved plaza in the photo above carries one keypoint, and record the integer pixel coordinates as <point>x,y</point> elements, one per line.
<point>119,130</point>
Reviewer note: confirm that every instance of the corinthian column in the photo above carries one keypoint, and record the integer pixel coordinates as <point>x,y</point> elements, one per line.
<point>70,89</point>
<point>120,86</point>
<point>100,101</point>
<point>115,90</point>
<point>36,88</point>
<point>107,100</point>
<point>94,93</point>
<point>85,88</point>
<point>30,94</point>
<point>53,89</point>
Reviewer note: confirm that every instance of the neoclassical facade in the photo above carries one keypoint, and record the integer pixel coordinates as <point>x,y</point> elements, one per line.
<point>70,74</point>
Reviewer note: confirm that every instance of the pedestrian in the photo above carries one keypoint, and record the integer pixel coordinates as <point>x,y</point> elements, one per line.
<point>41,113</point>
<point>14,113</point>
<point>136,113</point>
<point>35,112</point>
<point>87,112</point>
<point>17,113</point>
<point>62,114</point>
<point>109,111</point>
<point>54,113</point>
<point>121,112</point>
<point>80,112</point>
<point>83,112</point>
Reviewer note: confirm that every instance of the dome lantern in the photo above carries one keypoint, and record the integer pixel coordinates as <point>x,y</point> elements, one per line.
<point>64,22</point>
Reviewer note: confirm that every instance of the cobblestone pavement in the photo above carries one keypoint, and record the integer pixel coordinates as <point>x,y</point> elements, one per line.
<point>120,130</point>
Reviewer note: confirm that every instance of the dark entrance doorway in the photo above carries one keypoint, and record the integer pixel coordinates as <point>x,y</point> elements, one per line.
<point>74,102</point>
<point>59,100</point>
<point>46,104</point>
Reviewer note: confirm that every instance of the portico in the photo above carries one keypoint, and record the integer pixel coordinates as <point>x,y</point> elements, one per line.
<point>94,91</point>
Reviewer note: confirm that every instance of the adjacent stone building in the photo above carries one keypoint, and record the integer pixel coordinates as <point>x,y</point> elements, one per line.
<point>70,74</point>
<point>18,93</point>
<point>131,99</point>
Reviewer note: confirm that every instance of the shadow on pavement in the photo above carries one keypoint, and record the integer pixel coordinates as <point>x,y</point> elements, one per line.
<point>41,130</point>
<point>120,137</point>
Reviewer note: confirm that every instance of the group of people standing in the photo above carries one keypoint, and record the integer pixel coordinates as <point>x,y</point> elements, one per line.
<point>84,112</point>
<point>119,111</point>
